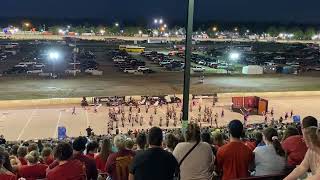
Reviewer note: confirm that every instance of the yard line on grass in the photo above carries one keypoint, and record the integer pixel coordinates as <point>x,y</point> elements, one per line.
<point>58,123</point>
<point>26,125</point>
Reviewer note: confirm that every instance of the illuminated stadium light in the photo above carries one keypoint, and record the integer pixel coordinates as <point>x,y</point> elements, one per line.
<point>54,55</point>
<point>234,56</point>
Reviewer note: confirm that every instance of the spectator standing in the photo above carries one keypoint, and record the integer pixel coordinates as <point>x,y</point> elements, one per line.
<point>47,157</point>
<point>141,142</point>
<point>269,159</point>
<point>22,152</point>
<point>117,165</point>
<point>234,158</point>
<point>68,168</point>
<point>199,163</point>
<point>171,142</point>
<point>92,148</point>
<point>153,163</point>
<point>34,169</point>
<point>101,158</point>
<point>79,145</point>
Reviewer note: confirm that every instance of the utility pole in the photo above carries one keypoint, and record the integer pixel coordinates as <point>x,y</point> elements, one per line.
<point>186,84</point>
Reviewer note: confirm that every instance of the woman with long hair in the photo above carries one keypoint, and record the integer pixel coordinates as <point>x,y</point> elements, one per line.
<point>269,159</point>
<point>102,156</point>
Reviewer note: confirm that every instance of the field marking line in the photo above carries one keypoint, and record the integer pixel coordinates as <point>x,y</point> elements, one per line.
<point>26,125</point>
<point>58,123</point>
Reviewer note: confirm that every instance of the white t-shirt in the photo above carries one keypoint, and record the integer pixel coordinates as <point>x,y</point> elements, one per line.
<point>198,165</point>
<point>267,161</point>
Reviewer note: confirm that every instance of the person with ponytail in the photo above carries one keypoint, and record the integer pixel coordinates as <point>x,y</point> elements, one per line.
<point>269,159</point>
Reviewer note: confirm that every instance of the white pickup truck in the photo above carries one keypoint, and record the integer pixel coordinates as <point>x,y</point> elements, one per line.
<point>39,65</point>
<point>93,71</point>
<point>34,71</point>
<point>142,68</point>
<point>72,71</point>
<point>198,69</point>
<point>130,70</point>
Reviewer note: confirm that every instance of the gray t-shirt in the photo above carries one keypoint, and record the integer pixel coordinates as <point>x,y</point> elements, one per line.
<point>267,161</point>
<point>198,165</point>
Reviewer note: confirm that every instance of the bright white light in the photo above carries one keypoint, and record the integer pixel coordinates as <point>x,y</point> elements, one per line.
<point>155,21</point>
<point>53,55</point>
<point>166,34</point>
<point>177,32</point>
<point>160,21</point>
<point>121,31</point>
<point>116,24</point>
<point>165,25</point>
<point>69,27</point>
<point>140,32</point>
<point>248,30</point>
<point>61,31</point>
<point>234,56</point>
<point>102,31</point>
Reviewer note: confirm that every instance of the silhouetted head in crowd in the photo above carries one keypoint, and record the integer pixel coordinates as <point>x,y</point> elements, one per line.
<point>270,136</point>
<point>46,152</point>
<point>120,141</point>
<point>206,137</point>
<point>33,157</point>
<point>155,137</point>
<point>22,151</point>
<point>235,129</point>
<point>171,141</point>
<point>141,140</point>
<point>312,138</point>
<point>290,131</point>
<point>258,137</point>
<point>14,150</point>
<point>106,149</point>
<point>79,144</point>
<point>309,121</point>
<point>129,143</point>
<point>5,160</point>
<point>33,147</point>
<point>92,147</point>
<point>63,151</point>
<point>193,133</point>
<point>218,138</point>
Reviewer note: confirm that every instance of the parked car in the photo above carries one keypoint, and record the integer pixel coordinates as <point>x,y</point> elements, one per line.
<point>28,62</point>
<point>74,63</point>
<point>130,70</point>
<point>201,62</point>
<point>16,70</point>
<point>21,65</point>
<point>39,65</point>
<point>34,71</point>
<point>142,68</point>
<point>164,62</point>
<point>72,71</point>
<point>198,69</point>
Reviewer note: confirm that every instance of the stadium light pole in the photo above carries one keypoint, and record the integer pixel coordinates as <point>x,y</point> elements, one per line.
<point>186,83</point>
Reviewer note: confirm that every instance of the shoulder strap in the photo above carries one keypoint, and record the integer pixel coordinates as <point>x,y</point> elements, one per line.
<point>184,157</point>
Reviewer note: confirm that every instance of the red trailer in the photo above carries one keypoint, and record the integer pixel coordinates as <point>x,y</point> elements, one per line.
<point>251,104</point>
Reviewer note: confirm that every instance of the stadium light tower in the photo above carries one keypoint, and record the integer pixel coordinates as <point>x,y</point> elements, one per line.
<point>155,21</point>
<point>53,57</point>
<point>233,56</point>
<point>116,24</point>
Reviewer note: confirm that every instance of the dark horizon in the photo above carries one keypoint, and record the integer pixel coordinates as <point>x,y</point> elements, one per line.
<point>285,11</point>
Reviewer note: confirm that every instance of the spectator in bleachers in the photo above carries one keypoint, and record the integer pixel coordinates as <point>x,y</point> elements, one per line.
<point>47,156</point>
<point>153,163</point>
<point>294,146</point>
<point>217,140</point>
<point>234,158</point>
<point>141,142</point>
<point>312,158</point>
<point>171,142</point>
<point>129,143</point>
<point>117,165</point>
<point>102,156</point>
<point>33,147</point>
<point>259,139</point>
<point>79,145</point>
<point>5,174</point>
<point>269,159</point>
<point>199,163</point>
<point>67,168</point>
<point>206,137</point>
<point>22,152</point>
<point>34,169</point>
<point>92,148</point>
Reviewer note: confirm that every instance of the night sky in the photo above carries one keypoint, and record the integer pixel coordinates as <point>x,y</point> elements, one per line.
<point>307,11</point>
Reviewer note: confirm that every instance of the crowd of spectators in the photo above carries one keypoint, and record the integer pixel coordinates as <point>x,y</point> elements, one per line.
<point>277,151</point>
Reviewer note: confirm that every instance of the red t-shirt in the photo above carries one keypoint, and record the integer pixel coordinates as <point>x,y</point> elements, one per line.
<point>295,148</point>
<point>90,155</point>
<point>111,165</point>
<point>234,159</point>
<point>251,145</point>
<point>32,172</point>
<point>8,176</point>
<point>23,161</point>
<point>101,164</point>
<point>48,160</point>
<point>73,169</point>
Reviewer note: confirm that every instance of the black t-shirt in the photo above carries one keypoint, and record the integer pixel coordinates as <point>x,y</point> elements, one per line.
<point>155,164</point>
